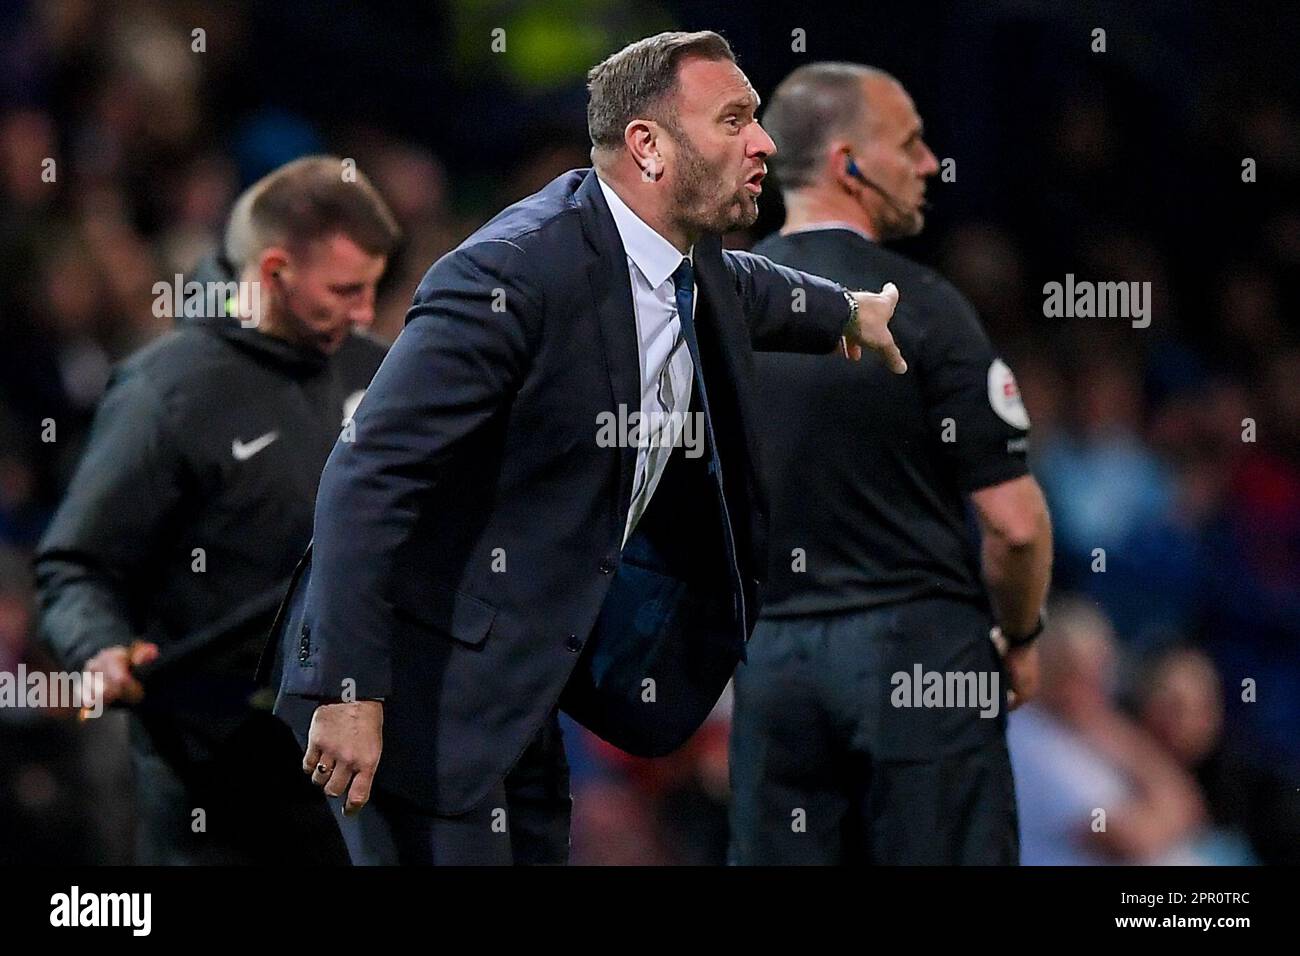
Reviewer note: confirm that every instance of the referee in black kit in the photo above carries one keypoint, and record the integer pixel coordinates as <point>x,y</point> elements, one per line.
<point>168,557</point>
<point>869,724</point>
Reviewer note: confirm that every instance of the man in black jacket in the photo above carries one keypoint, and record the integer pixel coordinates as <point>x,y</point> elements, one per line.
<point>877,593</point>
<point>194,500</point>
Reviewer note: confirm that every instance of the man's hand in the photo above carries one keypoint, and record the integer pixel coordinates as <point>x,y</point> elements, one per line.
<point>115,663</point>
<point>1022,668</point>
<point>343,748</point>
<point>875,309</point>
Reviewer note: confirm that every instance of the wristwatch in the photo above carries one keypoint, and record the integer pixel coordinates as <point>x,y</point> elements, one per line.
<point>1024,639</point>
<point>851,323</point>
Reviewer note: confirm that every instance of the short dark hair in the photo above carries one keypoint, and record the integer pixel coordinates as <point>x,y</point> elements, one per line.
<point>308,199</point>
<point>809,107</point>
<point>636,81</point>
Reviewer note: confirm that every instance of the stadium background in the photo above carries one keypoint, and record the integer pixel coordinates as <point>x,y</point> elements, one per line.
<point>1115,166</point>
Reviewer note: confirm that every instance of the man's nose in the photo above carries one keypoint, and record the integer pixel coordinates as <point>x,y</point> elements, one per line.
<point>761,144</point>
<point>364,314</point>
<point>929,163</point>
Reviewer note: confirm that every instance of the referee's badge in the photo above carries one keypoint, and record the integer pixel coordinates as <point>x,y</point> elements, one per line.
<point>1004,396</point>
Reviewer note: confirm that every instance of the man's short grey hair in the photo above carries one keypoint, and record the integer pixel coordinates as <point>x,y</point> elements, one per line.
<point>812,106</point>
<point>638,81</point>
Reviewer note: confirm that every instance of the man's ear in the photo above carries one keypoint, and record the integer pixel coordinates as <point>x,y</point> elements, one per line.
<point>838,155</point>
<point>274,261</point>
<point>641,136</point>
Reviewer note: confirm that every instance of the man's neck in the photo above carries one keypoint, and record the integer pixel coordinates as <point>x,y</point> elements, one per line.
<point>810,209</point>
<point>273,328</point>
<point>648,210</point>
<point>272,323</point>
<point>269,320</point>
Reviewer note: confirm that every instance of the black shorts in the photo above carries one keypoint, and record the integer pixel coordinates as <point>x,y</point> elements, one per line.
<point>828,767</point>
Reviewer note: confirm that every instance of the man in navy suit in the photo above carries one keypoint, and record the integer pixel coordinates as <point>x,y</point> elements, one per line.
<point>549,495</point>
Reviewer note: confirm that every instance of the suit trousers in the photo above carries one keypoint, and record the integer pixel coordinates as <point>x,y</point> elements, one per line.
<point>832,763</point>
<point>524,819</point>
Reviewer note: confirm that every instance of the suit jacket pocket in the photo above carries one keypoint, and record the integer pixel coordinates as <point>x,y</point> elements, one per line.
<point>445,610</point>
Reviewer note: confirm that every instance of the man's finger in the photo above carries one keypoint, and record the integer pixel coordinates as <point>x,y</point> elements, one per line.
<point>114,667</point>
<point>119,685</point>
<point>894,359</point>
<point>118,682</point>
<point>337,785</point>
<point>359,792</point>
<point>324,770</point>
<point>143,652</point>
<point>115,676</point>
<point>311,757</point>
<point>887,349</point>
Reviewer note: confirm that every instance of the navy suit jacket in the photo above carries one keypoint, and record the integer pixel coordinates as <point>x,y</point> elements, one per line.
<point>467,563</point>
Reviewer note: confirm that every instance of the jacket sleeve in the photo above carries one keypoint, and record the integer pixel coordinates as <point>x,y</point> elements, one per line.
<point>464,351</point>
<point>787,310</point>
<point>90,560</point>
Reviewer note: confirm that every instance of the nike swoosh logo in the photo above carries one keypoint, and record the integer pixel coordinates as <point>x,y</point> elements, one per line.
<point>244,451</point>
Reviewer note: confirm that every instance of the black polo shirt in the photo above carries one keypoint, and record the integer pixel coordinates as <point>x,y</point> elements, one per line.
<point>867,470</point>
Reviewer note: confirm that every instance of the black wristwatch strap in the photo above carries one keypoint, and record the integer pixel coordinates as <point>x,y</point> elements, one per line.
<point>1024,639</point>
<point>851,323</point>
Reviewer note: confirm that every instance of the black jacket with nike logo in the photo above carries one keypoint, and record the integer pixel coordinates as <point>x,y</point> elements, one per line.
<point>196,491</point>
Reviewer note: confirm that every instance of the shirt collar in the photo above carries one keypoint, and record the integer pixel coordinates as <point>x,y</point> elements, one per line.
<point>652,254</point>
<point>829,224</point>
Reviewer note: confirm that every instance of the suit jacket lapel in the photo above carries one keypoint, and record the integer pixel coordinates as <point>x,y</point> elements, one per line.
<point>611,291</point>
<point>725,328</point>
<point>729,366</point>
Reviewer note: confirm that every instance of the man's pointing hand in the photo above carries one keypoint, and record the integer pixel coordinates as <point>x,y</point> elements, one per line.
<point>871,328</point>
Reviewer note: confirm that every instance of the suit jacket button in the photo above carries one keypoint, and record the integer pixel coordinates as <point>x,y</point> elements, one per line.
<point>606,565</point>
<point>573,643</point>
<point>304,645</point>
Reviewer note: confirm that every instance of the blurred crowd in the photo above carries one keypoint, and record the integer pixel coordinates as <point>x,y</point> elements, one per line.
<point>1170,455</point>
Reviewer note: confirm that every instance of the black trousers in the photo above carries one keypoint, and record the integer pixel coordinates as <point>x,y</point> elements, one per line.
<point>226,789</point>
<point>826,768</point>
<point>524,819</point>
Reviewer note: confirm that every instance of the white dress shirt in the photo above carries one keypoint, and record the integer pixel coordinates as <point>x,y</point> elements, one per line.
<point>667,371</point>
